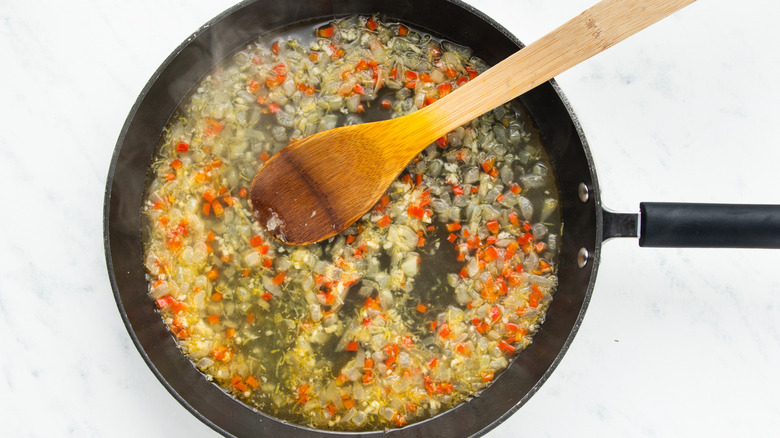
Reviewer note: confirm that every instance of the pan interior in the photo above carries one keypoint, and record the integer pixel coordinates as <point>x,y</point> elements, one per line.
<point>174,80</point>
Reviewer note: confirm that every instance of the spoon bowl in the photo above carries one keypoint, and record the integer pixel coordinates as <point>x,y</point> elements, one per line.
<point>318,186</point>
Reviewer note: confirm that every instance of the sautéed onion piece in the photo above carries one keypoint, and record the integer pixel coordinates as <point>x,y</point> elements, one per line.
<point>410,311</point>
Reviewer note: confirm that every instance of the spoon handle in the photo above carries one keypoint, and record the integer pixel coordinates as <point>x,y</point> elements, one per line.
<point>593,31</point>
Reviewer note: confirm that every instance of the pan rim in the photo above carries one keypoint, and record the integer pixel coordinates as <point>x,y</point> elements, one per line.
<point>593,264</point>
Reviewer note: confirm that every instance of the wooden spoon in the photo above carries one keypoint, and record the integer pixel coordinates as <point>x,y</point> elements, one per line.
<point>318,186</point>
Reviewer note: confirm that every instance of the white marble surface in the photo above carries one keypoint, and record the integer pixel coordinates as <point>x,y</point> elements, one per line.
<point>675,342</point>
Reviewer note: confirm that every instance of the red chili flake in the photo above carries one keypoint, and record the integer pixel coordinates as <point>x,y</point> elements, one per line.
<point>445,89</point>
<point>514,279</point>
<point>535,297</point>
<point>428,385</point>
<point>490,254</point>
<point>238,384</point>
<point>495,313</point>
<point>209,195</point>
<point>487,165</point>
<point>252,381</point>
<point>454,226</point>
<point>458,190</point>
<point>280,69</point>
<point>525,239</point>
<point>217,207</point>
<point>325,32</point>
<point>182,146</point>
<point>493,226</point>
<point>505,347</point>
<point>271,82</point>
<point>445,388</point>
<point>279,279</point>
<point>164,301</point>
<point>384,221</point>
<point>303,393</point>
<point>371,24</point>
<point>416,211</point>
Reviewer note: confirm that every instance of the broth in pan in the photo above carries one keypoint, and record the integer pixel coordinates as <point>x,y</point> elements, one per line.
<point>413,309</point>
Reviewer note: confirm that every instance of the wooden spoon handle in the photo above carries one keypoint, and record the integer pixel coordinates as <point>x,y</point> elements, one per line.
<point>596,29</point>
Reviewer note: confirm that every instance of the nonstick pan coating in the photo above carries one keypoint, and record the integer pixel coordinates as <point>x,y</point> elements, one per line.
<point>579,201</point>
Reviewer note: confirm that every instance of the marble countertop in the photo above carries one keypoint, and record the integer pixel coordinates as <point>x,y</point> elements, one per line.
<point>676,342</point>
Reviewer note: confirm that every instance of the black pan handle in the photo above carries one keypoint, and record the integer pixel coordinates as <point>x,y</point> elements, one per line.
<point>684,225</point>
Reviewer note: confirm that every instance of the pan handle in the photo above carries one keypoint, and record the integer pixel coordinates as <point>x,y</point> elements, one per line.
<point>685,225</point>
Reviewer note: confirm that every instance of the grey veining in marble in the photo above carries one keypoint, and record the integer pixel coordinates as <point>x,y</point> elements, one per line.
<point>675,342</point>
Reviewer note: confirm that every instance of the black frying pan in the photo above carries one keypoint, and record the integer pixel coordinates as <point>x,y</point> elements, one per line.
<point>586,223</point>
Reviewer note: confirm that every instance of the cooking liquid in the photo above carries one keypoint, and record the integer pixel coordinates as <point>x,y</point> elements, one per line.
<point>387,323</point>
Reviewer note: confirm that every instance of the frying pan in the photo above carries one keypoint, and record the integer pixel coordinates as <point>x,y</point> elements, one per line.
<point>586,223</point>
